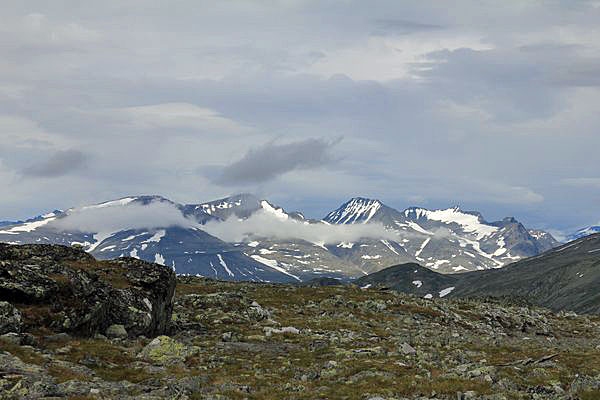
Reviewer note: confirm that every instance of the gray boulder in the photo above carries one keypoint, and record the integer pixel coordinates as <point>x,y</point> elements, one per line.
<point>10,318</point>
<point>116,331</point>
<point>82,296</point>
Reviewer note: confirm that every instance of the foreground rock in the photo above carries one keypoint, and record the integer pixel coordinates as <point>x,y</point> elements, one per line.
<point>62,289</point>
<point>10,318</point>
<point>231,341</point>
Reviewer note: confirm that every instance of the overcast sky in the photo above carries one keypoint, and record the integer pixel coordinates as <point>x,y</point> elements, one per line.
<point>490,105</point>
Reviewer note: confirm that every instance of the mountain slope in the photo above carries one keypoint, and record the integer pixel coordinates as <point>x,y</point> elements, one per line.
<point>565,278</point>
<point>411,278</point>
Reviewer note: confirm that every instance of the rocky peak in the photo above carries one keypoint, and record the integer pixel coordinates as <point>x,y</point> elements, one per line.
<point>241,205</point>
<point>357,209</point>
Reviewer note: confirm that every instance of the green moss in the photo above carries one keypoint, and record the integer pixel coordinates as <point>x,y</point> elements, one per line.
<point>164,350</point>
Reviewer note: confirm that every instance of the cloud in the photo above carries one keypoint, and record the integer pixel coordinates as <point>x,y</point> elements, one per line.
<point>174,116</point>
<point>262,224</point>
<point>60,163</point>
<point>561,236</point>
<point>507,96</point>
<point>582,182</point>
<point>271,160</point>
<point>122,217</point>
<point>499,192</point>
<point>403,27</point>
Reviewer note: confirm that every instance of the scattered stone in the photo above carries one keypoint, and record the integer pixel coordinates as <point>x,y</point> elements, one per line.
<point>288,329</point>
<point>406,348</point>
<point>12,338</point>
<point>116,331</point>
<point>164,351</point>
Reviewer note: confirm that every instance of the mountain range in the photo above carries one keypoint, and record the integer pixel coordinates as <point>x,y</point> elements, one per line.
<point>243,237</point>
<point>563,278</point>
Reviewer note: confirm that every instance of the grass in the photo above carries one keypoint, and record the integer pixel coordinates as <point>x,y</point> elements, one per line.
<point>108,271</point>
<point>25,354</point>
<point>589,394</point>
<point>62,374</point>
<point>112,361</point>
<point>342,323</point>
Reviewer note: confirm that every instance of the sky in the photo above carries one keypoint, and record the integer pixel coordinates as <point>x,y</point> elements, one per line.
<point>490,106</point>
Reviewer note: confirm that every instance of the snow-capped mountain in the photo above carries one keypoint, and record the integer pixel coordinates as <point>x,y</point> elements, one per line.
<point>450,240</point>
<point>590,230</point>
<point>188,237</point>
<point>301,259</point>
<point>115,229</point>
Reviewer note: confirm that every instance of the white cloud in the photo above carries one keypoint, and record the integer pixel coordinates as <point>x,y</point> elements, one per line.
<point>22,132</point>
<point>122,217</point>
<point>498,192</point>
<point>262,224</point>
<point>177,115</point>
<point>383,58</point>
<point>38,29</point>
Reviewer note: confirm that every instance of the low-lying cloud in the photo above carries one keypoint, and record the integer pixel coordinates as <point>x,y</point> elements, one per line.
<point>264,225</point>
<point>122,217</point>
<point>273,159</point>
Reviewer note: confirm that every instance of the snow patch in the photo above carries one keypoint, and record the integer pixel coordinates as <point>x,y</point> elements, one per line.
<point>28,226</point>
<point>469,223</point>
<point>156,237</point>
<point>273,264</point>
<point>159,259</point>
<point>113,203</point>
<point>222,262</point>
<point>99,238</point>
<point>277,212</point>
<point>447,291</point>
<point>418,253</point>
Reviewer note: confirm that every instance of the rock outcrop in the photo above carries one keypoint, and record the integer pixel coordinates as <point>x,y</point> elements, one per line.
<point>64,289</point>
<point>10,318</point>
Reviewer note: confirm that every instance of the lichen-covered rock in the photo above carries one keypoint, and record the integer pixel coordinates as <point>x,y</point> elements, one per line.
<point>67,290</point>
<point>10,318</point>
<point>116,331</point>
<point>163,351</point>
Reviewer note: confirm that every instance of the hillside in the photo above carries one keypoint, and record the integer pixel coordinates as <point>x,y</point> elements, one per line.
<point>565,278</point>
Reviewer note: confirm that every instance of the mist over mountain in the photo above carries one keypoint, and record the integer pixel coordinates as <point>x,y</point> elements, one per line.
<point>242,237</point>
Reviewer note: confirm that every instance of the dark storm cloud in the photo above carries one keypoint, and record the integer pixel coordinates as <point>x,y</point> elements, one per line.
<point>273,159</point>
<point>59,164</point>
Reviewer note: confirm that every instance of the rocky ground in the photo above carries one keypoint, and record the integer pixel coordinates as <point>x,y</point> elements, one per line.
<point>228,340</point>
